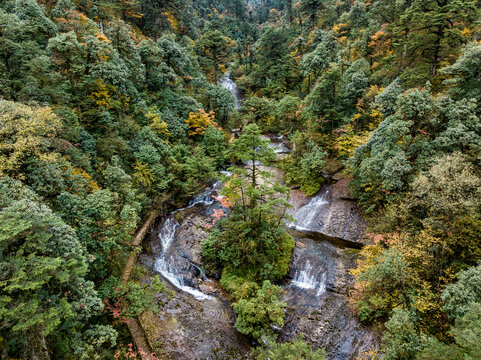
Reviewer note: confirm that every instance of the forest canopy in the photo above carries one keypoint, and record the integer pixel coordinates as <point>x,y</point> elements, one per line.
<point>110,107</point>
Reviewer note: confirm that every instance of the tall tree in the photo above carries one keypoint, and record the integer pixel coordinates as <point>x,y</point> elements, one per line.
<point>213,46</point>
<point>431,30</point>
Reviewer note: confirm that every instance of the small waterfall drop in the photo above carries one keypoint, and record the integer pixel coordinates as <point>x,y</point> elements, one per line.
<point>279,148</point>
<point>310,278</point>
<point>165,262</point>
<point>227,83</point>
<point>278,145</point>
<point>170,263</point>
<point>205,197</point>
<point>309,217</point>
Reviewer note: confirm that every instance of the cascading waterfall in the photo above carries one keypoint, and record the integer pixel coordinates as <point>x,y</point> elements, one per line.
<point>277,143</point>
<point>227,83</point>
<point>317,266</point>
<point>309,217</point>
<point>279,148</point>
<point>310,278</point>
<point>204,198</point>
<point>165,265</point>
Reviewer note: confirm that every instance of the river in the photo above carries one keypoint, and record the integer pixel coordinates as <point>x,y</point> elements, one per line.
<point>198,321</point>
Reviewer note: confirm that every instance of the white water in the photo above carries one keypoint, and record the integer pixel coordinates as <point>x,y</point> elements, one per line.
<point>205,197</point>
<point>279,148</point>
<point>165,266</point>
<point>310,278</point>
<point>226,173</point>
<point>227,83</point>
<point>308,217</point>
<point>165,262</point>
<point>167,233</point>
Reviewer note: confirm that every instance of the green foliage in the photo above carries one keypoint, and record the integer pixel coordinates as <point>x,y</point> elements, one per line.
<point>466,332</point>
<point>255,251</point>
<point>408,141</point>
<point>320,59</point>
<point>249,246</point>
<point>287,119</point>
<point>386,284</point>
<point>257,315</point>
<point>464,74</point>
<point>459,296</point>
<point>277,70</point>
<point>93,123</point>
<point>259,111</point>
<point>431,33</point>
<point>132,299</point>
<point>215,145</point>
<point>25,133</point>
<point>43,268</point>
<point>213,47</point>
<point>320,99</point>
<point>199,169</point>
<point>311,8</point>
<point>297,349</point>
<point>304,166</point>
<point>401,339</point>
<point>238,286</point>
<point>451,187</point>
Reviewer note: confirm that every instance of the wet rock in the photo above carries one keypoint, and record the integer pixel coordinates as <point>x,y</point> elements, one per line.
<point>191,233</point>
<point>146,261</point>
<point>316,288</point>
<point>317,301</point>
<point>210,287</point>
<point>329,213</point>
<point>191,328</point>
<point>330,325</point>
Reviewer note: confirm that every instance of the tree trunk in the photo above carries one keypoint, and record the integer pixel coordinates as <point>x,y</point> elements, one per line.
<point>437,49</point>
<point>405,51</point>
<point>36,346</point>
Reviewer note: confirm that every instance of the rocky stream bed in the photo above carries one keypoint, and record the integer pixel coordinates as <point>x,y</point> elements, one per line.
<point>198,322</point>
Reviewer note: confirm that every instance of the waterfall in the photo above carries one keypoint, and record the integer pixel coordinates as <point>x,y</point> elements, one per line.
<point>165,263</point>
<point>170,263</point>
<point>167,233</point>
<point>205,197</point>
<point>279,148</point>
<point>227,83</point>
<point>310,216</point>
<point>310,278</point>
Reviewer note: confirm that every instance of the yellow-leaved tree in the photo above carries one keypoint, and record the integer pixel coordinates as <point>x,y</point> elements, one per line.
<point>159,126</point>
<point>25,132</point>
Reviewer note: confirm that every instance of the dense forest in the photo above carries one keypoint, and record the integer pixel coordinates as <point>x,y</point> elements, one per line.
<point>112,109</point>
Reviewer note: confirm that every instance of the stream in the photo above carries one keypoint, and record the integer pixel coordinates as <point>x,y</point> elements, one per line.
<point>198,321</point>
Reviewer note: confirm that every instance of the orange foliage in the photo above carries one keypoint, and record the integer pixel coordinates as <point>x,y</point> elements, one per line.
<point>129,9</point>
<point>224,201</point>
<point>92,185</point>
<point>199,121</point>
<point>381,44</point>
<point>172,20</point>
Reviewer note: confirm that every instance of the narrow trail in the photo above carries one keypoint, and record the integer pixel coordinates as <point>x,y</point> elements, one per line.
<point>133,324</point>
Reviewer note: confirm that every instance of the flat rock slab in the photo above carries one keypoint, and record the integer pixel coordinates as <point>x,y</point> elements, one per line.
<point>330,325</point>
<point>192,329</point>
<point>339,217</point>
